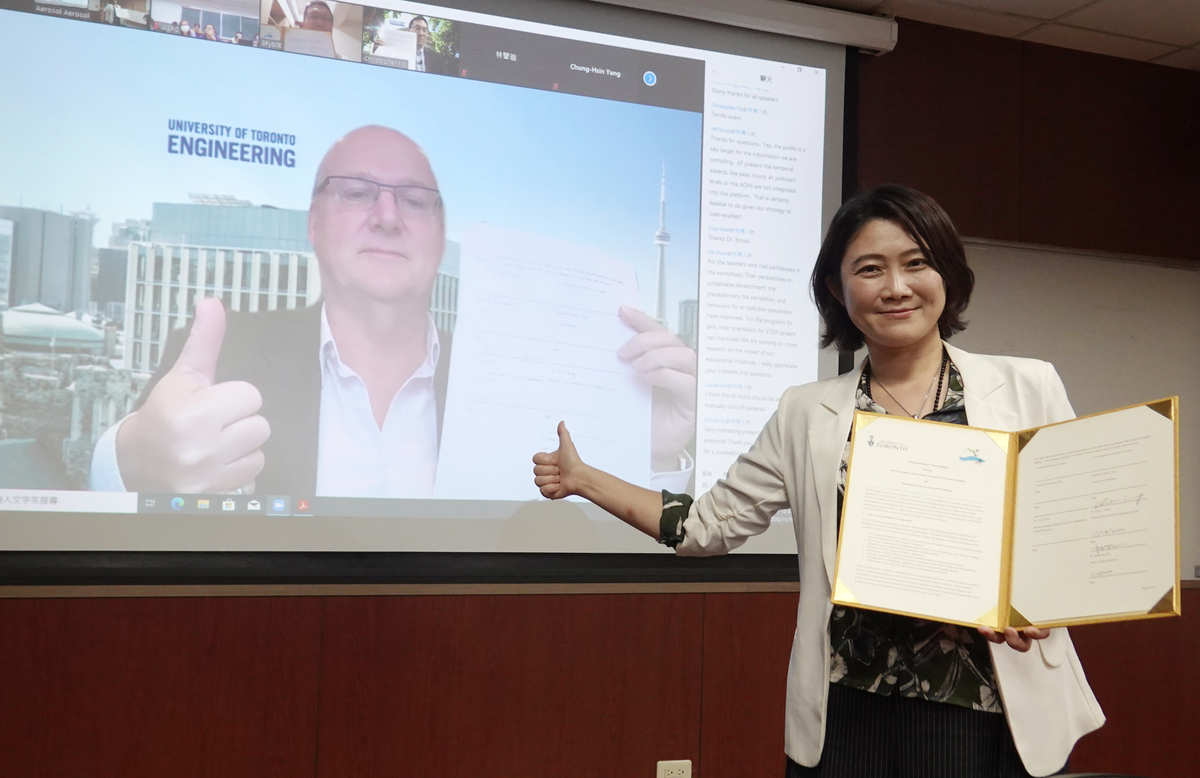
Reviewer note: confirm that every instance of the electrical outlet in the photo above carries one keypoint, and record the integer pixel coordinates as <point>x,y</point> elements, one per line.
<point>675,768</point>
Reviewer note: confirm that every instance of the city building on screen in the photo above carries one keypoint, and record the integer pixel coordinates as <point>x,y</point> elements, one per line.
<point>662,239</point>
<point>227,221</point>
<point>253,258</point>
<point>50,260</point>
<point>6,244</point>
<point>57,382</point>
<point>165,281</point>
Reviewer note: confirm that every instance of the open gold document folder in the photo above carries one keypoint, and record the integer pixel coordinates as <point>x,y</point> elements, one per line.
<point>1071,523</point>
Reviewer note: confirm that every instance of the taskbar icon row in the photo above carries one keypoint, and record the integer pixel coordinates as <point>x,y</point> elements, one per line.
<point>245,504</point>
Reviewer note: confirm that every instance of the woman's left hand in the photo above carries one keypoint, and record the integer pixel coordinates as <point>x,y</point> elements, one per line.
<point>1018,641</point>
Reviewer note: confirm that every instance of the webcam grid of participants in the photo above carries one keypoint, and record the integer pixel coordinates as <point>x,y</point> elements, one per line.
<point>388,37</point>
<point>395,38</point>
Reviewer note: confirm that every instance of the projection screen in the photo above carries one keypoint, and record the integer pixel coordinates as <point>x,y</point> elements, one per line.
<point>434,232</point>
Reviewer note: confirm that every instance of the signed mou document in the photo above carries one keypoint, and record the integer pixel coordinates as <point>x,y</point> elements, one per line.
<point>1071,523</point>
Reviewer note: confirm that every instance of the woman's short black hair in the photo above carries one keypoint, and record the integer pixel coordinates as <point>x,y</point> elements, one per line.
<point>925,222</point>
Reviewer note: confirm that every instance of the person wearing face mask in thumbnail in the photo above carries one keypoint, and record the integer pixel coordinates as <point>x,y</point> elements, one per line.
<point>870,693</point>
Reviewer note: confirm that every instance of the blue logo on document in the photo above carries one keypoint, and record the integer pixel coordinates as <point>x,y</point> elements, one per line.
<point>870,440</point>
<point>650,78</point>
<point>971,455</point>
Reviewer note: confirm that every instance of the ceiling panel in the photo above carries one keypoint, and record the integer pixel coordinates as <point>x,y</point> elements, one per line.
<point>858,6</point>
<point>1098,42</point>
<point>1134,29</point>
<point>1038,9</point>
<point>1169,21</point>
<point>1185,58</point>
<point>958,16</point>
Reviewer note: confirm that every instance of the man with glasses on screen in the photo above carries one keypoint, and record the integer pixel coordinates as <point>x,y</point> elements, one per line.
<point>317,16</point>
<point>429,59</point>
<point>344,398</point>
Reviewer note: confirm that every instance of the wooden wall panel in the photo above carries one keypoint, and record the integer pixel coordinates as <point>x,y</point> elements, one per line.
<point>747,641</point>
<point>178,687</point>
<point>1109,154</point>
<point>580,685</point>
<point>941,113</point>
<point>591,685</point>
<point>1147,678</point>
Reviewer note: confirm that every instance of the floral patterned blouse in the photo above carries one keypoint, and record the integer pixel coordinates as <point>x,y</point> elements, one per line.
<point>890,654</point>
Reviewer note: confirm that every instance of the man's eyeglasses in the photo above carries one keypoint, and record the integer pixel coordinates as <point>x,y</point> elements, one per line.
<point>360,194</point>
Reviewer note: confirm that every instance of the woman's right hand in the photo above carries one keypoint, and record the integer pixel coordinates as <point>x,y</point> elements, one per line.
<point>557,473</point>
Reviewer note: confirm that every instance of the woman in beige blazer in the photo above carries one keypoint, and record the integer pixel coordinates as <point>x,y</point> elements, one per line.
<point>891,275</point>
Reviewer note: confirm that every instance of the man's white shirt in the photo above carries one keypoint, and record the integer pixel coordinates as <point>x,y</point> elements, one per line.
<point>358,458</point>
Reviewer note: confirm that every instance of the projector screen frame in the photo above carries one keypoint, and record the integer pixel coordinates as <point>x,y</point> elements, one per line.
<point>286,568</point>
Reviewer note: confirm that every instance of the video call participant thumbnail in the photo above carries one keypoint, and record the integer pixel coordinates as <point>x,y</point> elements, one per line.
<point>388,36</point>
<point>344,398</point>
<point>429,59</point>
<point>319,28</point>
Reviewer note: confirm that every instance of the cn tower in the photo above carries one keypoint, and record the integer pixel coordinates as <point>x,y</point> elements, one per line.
<point>662,239</point>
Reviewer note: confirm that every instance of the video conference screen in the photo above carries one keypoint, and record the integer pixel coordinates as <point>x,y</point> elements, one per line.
<point>287,275</point>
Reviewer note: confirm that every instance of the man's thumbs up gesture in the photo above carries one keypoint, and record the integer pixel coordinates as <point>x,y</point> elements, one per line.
<point>194,435</point>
